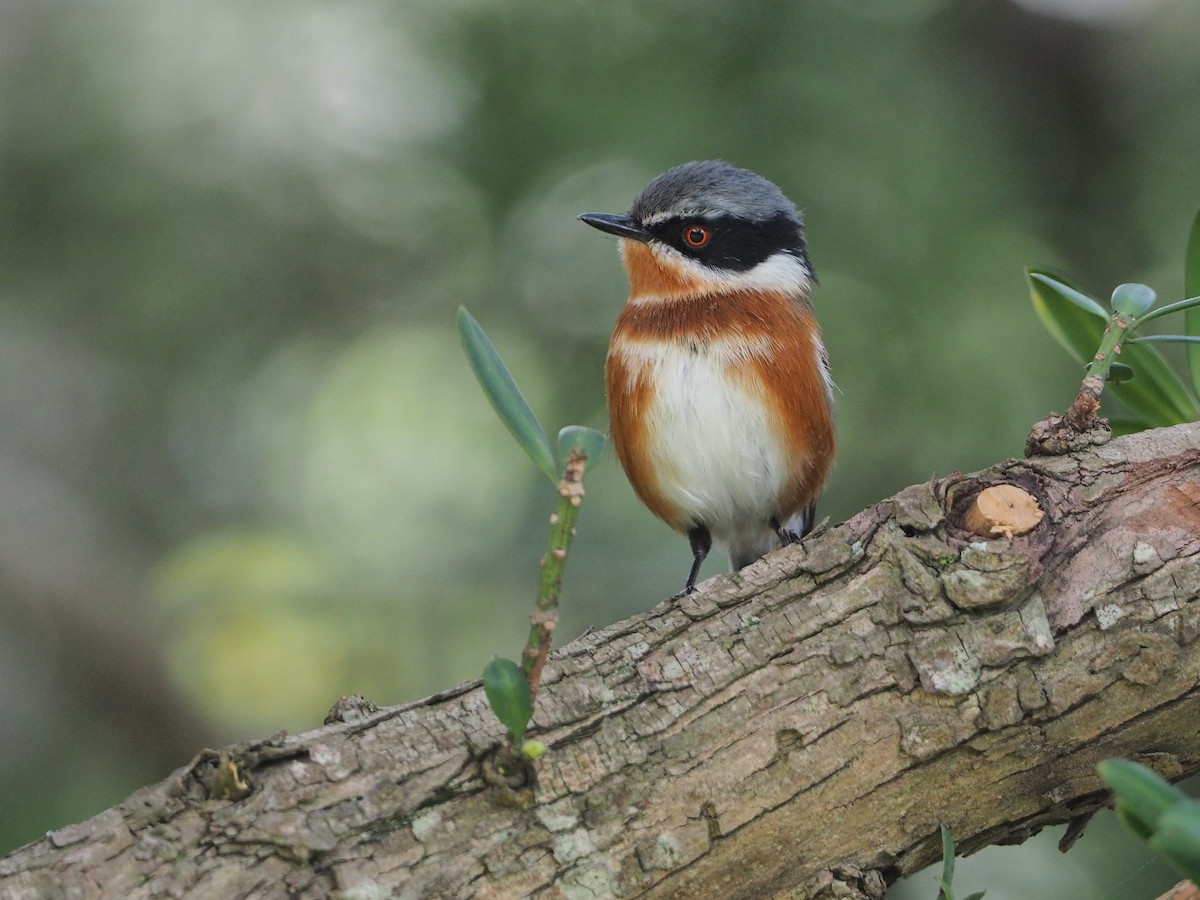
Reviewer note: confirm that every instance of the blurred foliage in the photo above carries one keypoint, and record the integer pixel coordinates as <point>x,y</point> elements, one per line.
<point>243,468</point>
<point>1157,812</point>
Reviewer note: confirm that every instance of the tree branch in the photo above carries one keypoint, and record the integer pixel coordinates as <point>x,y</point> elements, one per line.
<point>802,726</point>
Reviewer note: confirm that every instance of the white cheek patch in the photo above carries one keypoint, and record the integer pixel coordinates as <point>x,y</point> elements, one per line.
<point>780,273</point>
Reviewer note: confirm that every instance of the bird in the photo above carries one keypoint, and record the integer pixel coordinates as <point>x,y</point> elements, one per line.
<point>718,383</point>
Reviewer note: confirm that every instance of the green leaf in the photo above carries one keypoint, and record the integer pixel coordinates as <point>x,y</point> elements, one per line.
<point>508,695</point>
<point>947,878</point>
<point>1156,396</point>
<point>1178,839</point>
<point>1132,822</point>
<point>1143,794</point>
<point>1191,287</point>
<point>1077,326</point>
<point>504,395</point>
<point>1177,306</point>
<point>1068,293</point>
<point>589,440</point>
<point>1133,299</point>
<point>1163,339</point>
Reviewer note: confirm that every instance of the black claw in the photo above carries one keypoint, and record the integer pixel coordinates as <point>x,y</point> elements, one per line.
<point>787,535</point>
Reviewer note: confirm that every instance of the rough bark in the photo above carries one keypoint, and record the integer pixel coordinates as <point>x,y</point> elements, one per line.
<point>798,729</point>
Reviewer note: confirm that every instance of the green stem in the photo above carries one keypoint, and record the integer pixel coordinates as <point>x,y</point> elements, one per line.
<point>1110,347</point>
<point>562,529</point>
<point>1082,413</point>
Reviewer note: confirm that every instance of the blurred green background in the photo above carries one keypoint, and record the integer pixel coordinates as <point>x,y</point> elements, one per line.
<point>243,465</point>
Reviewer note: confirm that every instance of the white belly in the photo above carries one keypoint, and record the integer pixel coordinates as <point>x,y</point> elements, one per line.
<point>712,444</point>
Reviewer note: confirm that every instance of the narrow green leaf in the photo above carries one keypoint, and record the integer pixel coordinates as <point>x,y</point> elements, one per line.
<point>1133,299</point>
<point>1077,328</point>
<point>1163,339</point>
<point>1177,306</point>
<point>978,895</point>
<point>589,440</point>
<point>504,395</point>
<point>1156,396</point>
<point>1178,839</point>
<point>508,694</point>
<point>1191,287</point>
<point>947,878</point>
<point>1143,794</point>
<point>1068,293</point>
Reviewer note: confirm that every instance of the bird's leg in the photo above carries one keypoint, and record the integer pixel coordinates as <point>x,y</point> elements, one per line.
<point>701,542</point>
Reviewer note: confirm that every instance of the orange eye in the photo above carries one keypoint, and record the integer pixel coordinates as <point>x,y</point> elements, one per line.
<point>696,236</point>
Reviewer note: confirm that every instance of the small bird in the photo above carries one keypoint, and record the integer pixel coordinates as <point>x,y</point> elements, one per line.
<point>719,395</point>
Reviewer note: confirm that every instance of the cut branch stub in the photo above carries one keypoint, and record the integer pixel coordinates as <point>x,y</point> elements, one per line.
<point>1003,510</point>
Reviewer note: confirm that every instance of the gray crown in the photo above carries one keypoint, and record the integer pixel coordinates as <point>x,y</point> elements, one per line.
<point>711,188</point>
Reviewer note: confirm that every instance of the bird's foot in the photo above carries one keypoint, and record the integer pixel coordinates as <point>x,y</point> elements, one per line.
<point>787,536</point>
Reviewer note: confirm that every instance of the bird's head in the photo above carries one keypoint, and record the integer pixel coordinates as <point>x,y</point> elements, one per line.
<point>704,227</point>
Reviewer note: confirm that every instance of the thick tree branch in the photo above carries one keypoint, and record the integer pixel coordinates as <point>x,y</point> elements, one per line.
<point>802,726</point>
